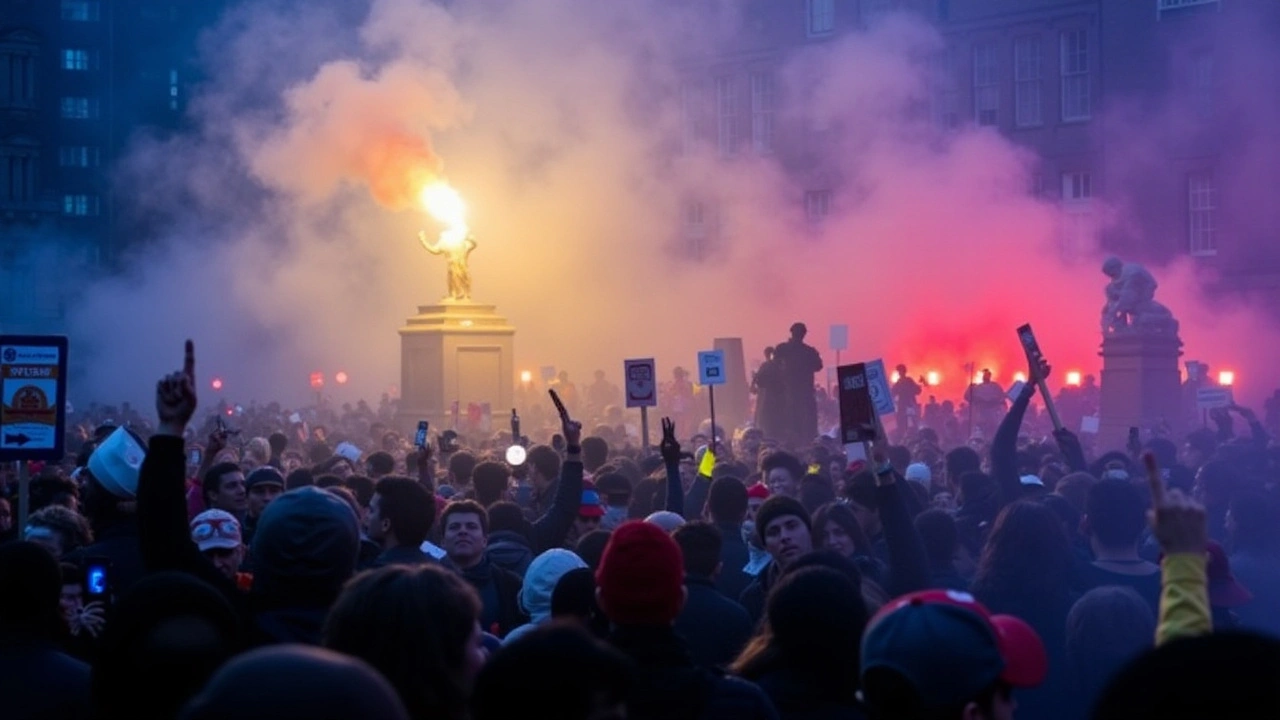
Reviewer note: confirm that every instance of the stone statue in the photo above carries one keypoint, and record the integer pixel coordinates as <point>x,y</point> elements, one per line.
<point>459,274</point>
<point>1131,308</point>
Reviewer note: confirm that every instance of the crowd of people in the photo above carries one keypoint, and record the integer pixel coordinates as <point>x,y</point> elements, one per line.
<point>270,563</point>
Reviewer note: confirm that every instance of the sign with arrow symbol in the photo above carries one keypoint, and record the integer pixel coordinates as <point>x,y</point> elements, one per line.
<point>33,397</point>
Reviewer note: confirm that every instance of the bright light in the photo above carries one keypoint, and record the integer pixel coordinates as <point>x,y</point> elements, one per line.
<point>516,455</point>
<point>340,378</point>
<point>1226,378</point>
<point>526,377</point>
<point>216,384</point>
<point>1020,377</point>
<point>230,411</point>
<point>317,380</point>
<point>977,378</point>
<point>895,377</point>
<point>1073,378</point>
<point>933,377</point>
<point>444,204</point>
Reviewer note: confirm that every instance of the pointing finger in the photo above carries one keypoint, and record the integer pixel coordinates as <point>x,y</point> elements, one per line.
<point>1154,481</point>
<point>189,361</point>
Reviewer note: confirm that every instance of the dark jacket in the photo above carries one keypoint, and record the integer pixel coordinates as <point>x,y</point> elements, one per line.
<point>753,597</point>
<point>714,628</point>
<point>499,592</point>
<point>797,697</point>
<point>510,551</point>
<point>669,686</point>
<point>549,531</point>
<point>37,682</point>
<point>403,555</point>
<point>733,558</point>
<point>908,563</point>
<point>117,543</point>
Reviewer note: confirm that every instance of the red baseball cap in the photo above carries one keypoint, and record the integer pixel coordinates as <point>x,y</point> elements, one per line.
<point>951,648</point>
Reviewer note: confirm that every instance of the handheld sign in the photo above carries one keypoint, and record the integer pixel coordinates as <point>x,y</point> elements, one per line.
<point>839,339</point>
<point>1015,390</point>
<point>857,410</point>
<point>33,397</point>
<point>878,385</point>
<point>711,367</point>
<point>1036,359</point>
<point>708,463</point>
<point>1212,398</point>
<point>642,388</point>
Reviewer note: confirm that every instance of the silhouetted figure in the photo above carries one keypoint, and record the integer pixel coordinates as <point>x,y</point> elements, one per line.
<point>800,362</point>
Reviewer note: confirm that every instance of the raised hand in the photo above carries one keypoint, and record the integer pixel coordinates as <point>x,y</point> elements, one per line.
<point>669,447</point>
<point>1178,522</point>
<point>176,396</point>
<point>89,619</point>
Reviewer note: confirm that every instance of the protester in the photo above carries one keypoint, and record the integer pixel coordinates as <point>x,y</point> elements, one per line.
<point>783,527</point>
<point>466,526</point>
<point>262,485</point>
<point>714,627</point>
<point>59,530</point>
<point>539,584</point>
<point>217,536</point>
<point>401,514</point>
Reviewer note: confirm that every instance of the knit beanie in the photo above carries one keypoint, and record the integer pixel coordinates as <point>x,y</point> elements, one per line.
<point>776,507</point>
<point>641,576</point>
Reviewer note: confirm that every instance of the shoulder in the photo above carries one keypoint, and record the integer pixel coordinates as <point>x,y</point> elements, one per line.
<point>739,698</point>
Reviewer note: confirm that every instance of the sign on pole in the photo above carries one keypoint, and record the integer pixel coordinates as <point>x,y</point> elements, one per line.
<point>711,367</point>
<point>857,411</point>
<point>1212,398</point>
<point>33,397</point>
<point>878,384</point>
<point>839,339</point>
<point>642,386</point>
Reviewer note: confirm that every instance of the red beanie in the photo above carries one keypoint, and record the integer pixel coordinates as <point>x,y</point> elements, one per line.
<point>759,491</point>
<point>641,576</point>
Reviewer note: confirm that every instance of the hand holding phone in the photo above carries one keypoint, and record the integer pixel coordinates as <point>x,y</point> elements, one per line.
<point>97,578</point>
<point>572,430</point>
<point>420,439</point>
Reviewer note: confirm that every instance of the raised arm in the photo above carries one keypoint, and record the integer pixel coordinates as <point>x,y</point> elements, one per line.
<point>550,530</point>
<point>1004,447</point>
<point>670,449</point>
<point>1182,529</point>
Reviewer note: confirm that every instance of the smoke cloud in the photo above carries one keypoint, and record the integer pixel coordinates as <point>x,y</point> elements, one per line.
<point>289,217</point>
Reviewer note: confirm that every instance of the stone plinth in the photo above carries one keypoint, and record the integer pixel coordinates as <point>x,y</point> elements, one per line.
<point>455,351</point>
<point>1141,386</point>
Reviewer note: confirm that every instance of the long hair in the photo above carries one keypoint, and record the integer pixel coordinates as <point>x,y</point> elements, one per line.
<point>413,625</point>
<point>1026,560</point>
<point>844,517</point>
<point>1106,628</point>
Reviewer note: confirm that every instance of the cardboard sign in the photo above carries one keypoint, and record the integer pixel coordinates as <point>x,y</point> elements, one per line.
<point>33,397</point>
<point>711,367</point>
<point>839,339</point>
<point>642,385</point>
<point>857,410</point>
<point>1212,398</point>
<point>1015,390</point>
<point>708,463</point>
<point>878,384</point>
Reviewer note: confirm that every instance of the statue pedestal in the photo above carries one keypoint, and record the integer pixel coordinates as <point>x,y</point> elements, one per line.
<point>1141,386</point>
<point>454,351</point>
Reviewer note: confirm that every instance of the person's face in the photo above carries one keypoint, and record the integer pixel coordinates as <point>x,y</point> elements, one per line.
<point>868,520</point>
<point>944,500</point>
<point>231,496</point>
<point>261,496</point>
<point>374,524</point>
<point>787,538</point>
<point>753,504</point>
<point>71,601</point>
<point>473,659</point>
<point>1191,457</point>
<point>227,561</point>
<point>584,525</point>
<point>781,482</point>
<point>47,538</point>
<point>464,538</point>
<point>342,470</point>
<point>835,538</point>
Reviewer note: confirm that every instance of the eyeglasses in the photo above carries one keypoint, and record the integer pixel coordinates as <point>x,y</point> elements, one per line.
<point>225,528</point>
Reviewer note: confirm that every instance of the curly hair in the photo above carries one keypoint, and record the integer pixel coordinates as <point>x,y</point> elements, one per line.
<point>71,526</point>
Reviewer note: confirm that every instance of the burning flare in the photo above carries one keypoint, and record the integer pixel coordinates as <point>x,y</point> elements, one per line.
<point>444,204</point>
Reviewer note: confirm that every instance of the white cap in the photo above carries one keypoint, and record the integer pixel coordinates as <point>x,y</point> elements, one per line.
<point>919,472</point>
<point>1032,480</point>
<point>116,462</point>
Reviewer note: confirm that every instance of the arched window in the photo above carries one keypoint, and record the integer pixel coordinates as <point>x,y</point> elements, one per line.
<point>18,155</point>
<point>18,53</point>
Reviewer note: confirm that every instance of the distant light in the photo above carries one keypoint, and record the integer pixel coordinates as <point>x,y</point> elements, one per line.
<point>340,378</point>
<point>216,384</point>
<point>230,411</point>
<point>516,455</point>
<point>1226,378</point>
<point>933,377</point>
<point>1074,378</point>
<point>895,377</point>
<point>526,377</point>
<point>1020,377</point>
<point>317,380</point>
<point>977,377</point>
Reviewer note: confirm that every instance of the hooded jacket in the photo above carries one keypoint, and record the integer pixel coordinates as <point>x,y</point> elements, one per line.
<point>539,583</point>
<point>510,551</point>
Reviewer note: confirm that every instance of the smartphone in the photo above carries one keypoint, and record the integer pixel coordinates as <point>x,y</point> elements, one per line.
<point>194,457</point>
<point>97,578</point>
<point>560,408</point>
<point>515,427</point>
<point>420,440</point>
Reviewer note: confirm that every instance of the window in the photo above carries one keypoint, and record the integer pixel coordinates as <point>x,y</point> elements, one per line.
<point>80,10</point>
<point>79,156</point>
<point>820,16</point>
<point>80,205</point>
<point>1027,81</point>
<point>1202,206</point>
<point>1075,76</point>
<point>691,114</point>
<point>817,205</point>
<point>73,59</point>
<point>173,89</point>
<point>1202,84</point>
<point>17,173</point>
<point>762,113</point>
<point>695,220</point>
<point>946,96</point>
<point>79,108</point>
<point>17,73</point>
<point>986,84</point>
<point>727,112</point>
<point>1077,187</point>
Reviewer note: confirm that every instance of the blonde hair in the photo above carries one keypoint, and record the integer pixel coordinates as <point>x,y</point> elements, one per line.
<point>258,451</point>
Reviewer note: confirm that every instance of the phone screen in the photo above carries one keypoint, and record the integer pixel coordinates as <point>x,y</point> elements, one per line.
<point>420,440</point>
<point>96,579</point>
<point>194,458</point>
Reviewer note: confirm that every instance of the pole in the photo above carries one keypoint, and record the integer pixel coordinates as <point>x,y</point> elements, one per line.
<point>24,496</point>
<point>829,388</point>
<point>711,393</point>
<point>972,370</point>
<point>644,427</point>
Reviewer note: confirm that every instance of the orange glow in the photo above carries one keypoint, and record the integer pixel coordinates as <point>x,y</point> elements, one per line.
<point>526,377</point>
<point>317,380</point>
<point>444,204</point>
<point>340,378</point>
<point>1226,378</point>
<point>1020,377</point>
<point>216,384</point>
<point>895,377</point>
<point>933,377</point>
<point>1074,378</point>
